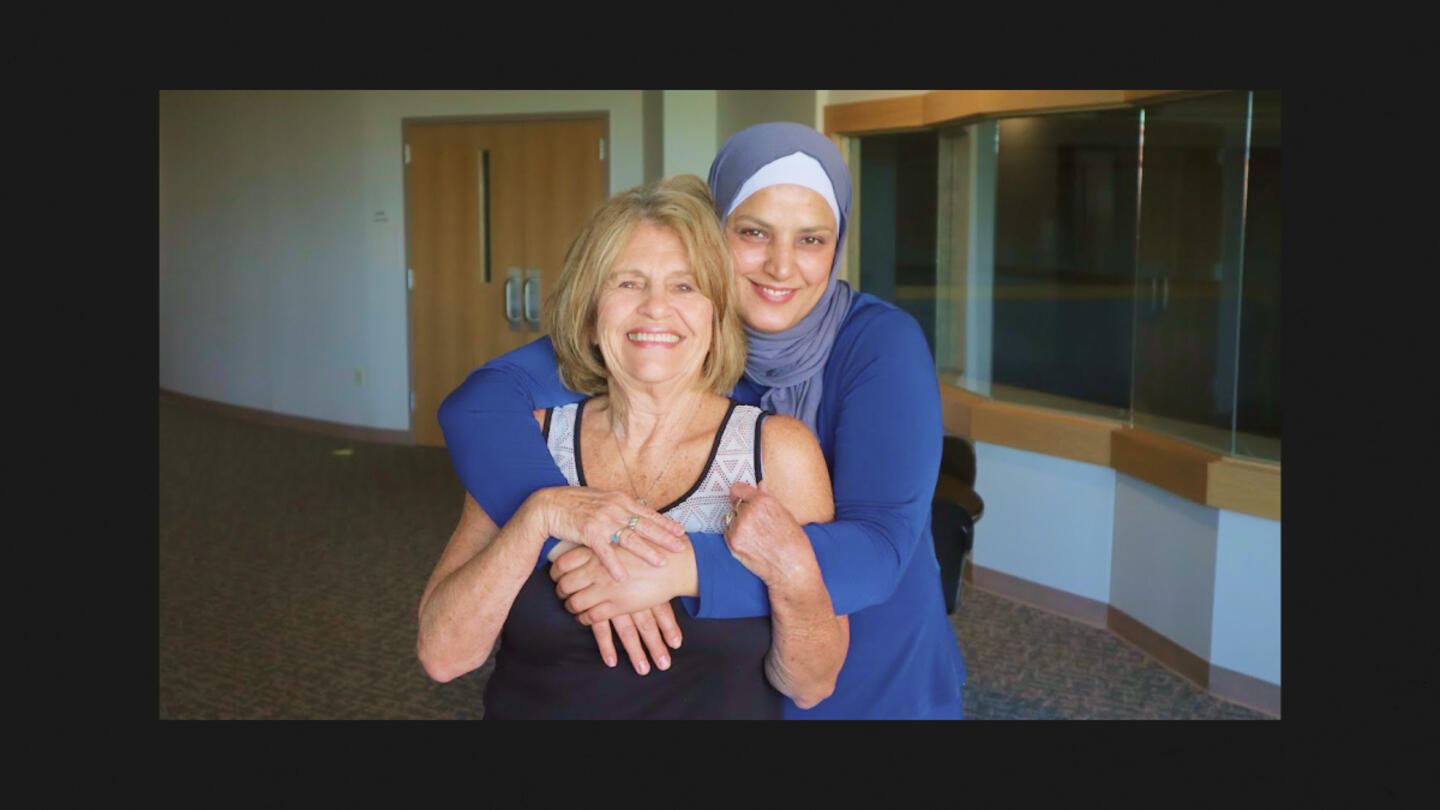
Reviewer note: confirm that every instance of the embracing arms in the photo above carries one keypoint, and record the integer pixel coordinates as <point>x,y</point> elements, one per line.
<point>489,426</point>
<point>884,442</point>
<point>808,640</point>
<point>484,566</point>
<point>885,448</point>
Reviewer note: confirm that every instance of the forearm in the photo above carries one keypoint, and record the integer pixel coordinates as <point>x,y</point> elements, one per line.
<point>883,476</point>
<point>489,431</point>
<point>808,641</point>
<point>463,616</point>
<point>860,560</point>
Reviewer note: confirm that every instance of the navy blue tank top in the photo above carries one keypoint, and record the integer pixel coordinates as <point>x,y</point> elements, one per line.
<point>547,665</point>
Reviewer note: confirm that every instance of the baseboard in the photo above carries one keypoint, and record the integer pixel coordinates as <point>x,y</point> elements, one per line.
<point>1052,600</point>
<point>1248,691</point>
<point>337,429</point>
<point>1237,687</point>
<point>1172,656</point>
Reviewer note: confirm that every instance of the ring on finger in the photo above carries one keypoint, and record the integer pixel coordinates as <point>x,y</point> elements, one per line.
<point>634,520</point>
<point>615,538</point>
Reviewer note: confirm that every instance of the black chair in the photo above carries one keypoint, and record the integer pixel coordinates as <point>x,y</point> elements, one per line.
<point>953,514</point>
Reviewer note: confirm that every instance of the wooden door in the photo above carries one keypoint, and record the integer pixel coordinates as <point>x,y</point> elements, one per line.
<point>564,159</point>
<point>483,200</point>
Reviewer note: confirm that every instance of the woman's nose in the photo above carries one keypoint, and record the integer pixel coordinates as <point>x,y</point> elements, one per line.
<point>657,302</point>
<point>782,261</point>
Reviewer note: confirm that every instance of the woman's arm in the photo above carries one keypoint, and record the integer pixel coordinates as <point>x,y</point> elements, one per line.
<point>808,641</point>
<point>886,453</point>
<point>489,430</point>
<point>886,458</point>
<point>473,586</point>
<point>500,457</point>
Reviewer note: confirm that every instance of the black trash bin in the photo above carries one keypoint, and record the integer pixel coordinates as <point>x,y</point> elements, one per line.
<point>953,514</point>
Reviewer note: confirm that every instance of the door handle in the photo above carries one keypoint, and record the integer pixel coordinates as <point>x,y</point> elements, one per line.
<point>531,298</point>
<point>512,297</point>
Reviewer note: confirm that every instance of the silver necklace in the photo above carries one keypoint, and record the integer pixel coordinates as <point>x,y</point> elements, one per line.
<point>642,500</point>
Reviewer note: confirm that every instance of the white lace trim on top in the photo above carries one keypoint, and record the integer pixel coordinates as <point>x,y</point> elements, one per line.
<point>703,510</point>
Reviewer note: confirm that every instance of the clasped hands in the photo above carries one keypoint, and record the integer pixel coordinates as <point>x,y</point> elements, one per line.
<point>637,603</point>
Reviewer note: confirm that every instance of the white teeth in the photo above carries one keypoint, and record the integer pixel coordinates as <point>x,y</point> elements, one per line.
<point>774,294</point>
<point>653,337</point>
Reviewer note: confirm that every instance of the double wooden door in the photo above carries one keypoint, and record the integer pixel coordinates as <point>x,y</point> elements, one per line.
<point>491,210</point>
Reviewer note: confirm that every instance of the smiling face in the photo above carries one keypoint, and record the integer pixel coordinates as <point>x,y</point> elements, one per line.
<point>652,324</point>
<point>782,240</point>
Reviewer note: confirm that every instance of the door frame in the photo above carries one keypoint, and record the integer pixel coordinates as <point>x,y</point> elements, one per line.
<point>496,118</point>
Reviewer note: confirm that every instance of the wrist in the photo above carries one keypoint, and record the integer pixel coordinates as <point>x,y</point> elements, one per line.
<point>533,514</point>
<point>684,574</point>
<point>797,579</point>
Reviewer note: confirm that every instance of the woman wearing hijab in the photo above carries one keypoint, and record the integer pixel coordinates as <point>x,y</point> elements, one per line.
<point>856,370</point>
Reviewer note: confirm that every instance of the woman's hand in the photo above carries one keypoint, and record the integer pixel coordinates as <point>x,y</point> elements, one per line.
<point>766,538</point>
<point>589,517</point>
<point>637,631</point>
<point>594,596</point>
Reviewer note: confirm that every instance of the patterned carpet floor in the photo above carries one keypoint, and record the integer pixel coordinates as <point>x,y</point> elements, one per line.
<point>290,577</point>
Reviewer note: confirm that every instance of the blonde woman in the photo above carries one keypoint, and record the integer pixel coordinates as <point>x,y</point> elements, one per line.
<point>644,320</point>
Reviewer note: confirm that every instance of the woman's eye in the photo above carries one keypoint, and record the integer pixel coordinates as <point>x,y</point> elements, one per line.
<point>753,232</point>
<point>684,287</point>
<point>813,240</point>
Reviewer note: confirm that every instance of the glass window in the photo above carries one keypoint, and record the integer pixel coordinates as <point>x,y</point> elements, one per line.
<point>1121,263</point>
<point>1065,256</point>
<point>1187,280</point>
<point>1257,400</point>
<point>897,231</point>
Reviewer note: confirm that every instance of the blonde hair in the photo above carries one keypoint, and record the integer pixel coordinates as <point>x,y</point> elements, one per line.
<point>683,204</point>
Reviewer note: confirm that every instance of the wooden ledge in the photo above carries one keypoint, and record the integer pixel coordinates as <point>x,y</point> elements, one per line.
<point>1245,485</point>
<point>1079,438</point>
<point>956,106</point>
<point>1170,464</point>
<point>1204,476</point>
<point>901,112</point>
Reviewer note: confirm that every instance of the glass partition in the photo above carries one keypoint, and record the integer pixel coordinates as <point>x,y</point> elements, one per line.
<point>897,230</point>
<point>1257,396</point>
<point>1120,263</point>
<point>1188,257</point>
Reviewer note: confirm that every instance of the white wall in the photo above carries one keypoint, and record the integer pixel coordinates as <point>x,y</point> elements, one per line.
<point>1163,564</point>
<point>1047,520</point>
<point>738,109</point>
<point>282,240</point>
<point>1207,579</point>
<point>1246,634</point>
<point>690,126</point>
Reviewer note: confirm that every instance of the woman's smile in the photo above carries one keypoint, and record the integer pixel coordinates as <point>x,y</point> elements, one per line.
<point>654,338</point>
<point>775,295</point>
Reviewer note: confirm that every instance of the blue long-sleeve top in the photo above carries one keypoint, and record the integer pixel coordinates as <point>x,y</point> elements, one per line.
<point>879,426</point>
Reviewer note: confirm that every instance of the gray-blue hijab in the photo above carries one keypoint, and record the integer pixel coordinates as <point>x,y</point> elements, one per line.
<point>790,363</point>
